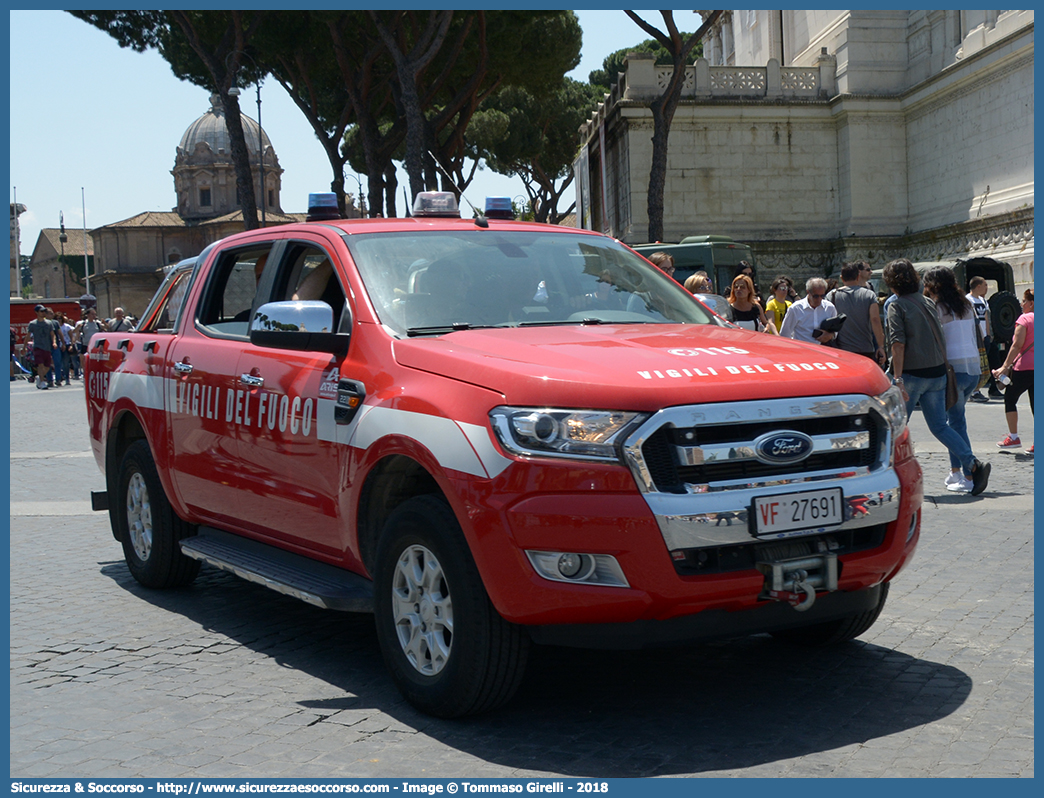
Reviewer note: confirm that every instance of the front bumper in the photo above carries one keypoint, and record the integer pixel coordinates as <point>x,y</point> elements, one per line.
<point>681,534</point>
<point>620,523</point>
<point>708,625</point>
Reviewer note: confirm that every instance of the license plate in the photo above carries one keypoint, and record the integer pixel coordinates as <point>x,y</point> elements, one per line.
<point>808,511</point>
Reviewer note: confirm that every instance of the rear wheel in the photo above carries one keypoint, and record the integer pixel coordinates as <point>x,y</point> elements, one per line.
<point>839,631</point>
<point>448,650</point>
<point>150,530</point>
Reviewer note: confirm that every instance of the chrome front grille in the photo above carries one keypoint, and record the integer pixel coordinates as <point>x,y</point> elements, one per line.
<point>701,467</point>
<point>680,457</point>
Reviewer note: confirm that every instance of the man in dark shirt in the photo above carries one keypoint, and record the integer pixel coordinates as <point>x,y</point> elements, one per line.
<point>863,332</point>
<point>40,335</point>
<point>57,373</point>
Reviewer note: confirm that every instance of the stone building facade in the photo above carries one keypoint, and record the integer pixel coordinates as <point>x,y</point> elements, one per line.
<point>855,134</point>
<point>132,253</point>
<point>17,209</point>
<point>54,277</point>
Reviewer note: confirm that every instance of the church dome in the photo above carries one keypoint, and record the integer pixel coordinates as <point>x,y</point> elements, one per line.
<point>211,130</point>
<point>204,175</point>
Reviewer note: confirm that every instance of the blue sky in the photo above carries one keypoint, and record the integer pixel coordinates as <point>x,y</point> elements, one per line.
<point>87,114</point>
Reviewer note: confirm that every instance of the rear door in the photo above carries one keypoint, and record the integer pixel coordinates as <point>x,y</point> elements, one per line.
<point>201,386</point>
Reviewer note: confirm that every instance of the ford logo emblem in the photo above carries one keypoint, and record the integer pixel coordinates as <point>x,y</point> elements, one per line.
<point>782,447</point>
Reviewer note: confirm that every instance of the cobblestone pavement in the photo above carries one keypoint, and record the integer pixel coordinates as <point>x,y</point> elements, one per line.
<point>224,678</point>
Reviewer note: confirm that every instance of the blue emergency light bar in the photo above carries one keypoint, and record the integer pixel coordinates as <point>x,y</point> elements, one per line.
<point>322,207</point>
<point>499,208</point>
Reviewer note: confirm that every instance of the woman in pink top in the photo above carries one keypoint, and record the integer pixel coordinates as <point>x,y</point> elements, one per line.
<point>1019,366</point>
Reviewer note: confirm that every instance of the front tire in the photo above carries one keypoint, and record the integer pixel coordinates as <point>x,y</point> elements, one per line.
<point>150,530</point>
<point>448,650</point>
<point>838,631</point>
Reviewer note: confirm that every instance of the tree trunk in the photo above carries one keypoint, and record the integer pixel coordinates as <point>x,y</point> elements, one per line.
<point>664,106</point>
<point>391,184</point>
<point>379,168</point>
<point>657,176</point>
<point>236,36</point>
<point>357,74</point>
<point>415,138</point>
<point>241,161</point>
<point>408,67</point>
<point>298,84</point>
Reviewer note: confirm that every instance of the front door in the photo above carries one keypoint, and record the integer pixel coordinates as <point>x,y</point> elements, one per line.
<point>292,466</point>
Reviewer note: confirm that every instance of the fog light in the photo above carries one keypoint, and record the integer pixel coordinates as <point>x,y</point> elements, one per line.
<point>569,565</point>
<point>577,568</point>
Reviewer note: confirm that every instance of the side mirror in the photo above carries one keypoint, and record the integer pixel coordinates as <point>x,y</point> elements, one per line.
<point>301,326</point>
<point>717,303</point>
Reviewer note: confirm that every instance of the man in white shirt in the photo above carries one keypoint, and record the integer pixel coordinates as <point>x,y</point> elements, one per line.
<point>807,314</point>
<point>977,288</point>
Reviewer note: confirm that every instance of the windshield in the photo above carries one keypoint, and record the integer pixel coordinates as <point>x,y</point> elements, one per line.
<point>432,282</point>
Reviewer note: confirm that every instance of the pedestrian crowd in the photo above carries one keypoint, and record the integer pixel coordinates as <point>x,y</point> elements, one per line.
<point>933,340</point>
<point>56,349</point>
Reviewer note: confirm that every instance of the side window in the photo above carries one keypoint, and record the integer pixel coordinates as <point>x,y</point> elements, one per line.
<point>229,296</point>
<point>162,318</point>
<point>308,273</point>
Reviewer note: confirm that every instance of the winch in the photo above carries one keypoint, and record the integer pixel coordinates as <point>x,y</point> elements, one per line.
<point>796,580</point>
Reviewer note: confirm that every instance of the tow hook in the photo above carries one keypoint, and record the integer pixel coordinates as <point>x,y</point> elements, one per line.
<point>799,601</point>
<point>796,581</point>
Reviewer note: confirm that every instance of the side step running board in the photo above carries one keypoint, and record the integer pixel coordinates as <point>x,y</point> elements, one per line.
<point>310,581</point>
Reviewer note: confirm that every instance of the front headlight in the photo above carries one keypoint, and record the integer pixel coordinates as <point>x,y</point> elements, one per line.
<point>893,407</point>
<point>577,434</point>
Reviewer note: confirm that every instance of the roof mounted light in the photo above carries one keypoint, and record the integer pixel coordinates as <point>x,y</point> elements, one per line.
<point>499,208</point>
<point>322,207</point>
<point>436,203</point>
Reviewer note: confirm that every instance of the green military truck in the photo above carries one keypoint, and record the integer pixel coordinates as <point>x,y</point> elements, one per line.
<point>717,255</point>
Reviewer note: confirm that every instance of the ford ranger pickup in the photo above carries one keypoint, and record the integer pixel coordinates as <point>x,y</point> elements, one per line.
<point>491,433</point>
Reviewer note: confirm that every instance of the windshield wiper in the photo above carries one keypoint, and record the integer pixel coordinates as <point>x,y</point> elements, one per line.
<point>442,329</point>
<point>589,320</point>
<point>561,323</point>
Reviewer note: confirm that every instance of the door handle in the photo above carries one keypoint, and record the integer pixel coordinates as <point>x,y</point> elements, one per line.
<point>183,368</point>
<point>251,380</point>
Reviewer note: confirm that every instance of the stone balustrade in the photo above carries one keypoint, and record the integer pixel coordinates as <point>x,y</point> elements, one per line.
<point>644,81</point>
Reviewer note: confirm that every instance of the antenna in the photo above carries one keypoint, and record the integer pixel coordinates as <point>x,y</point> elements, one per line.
<point>480,218</point>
